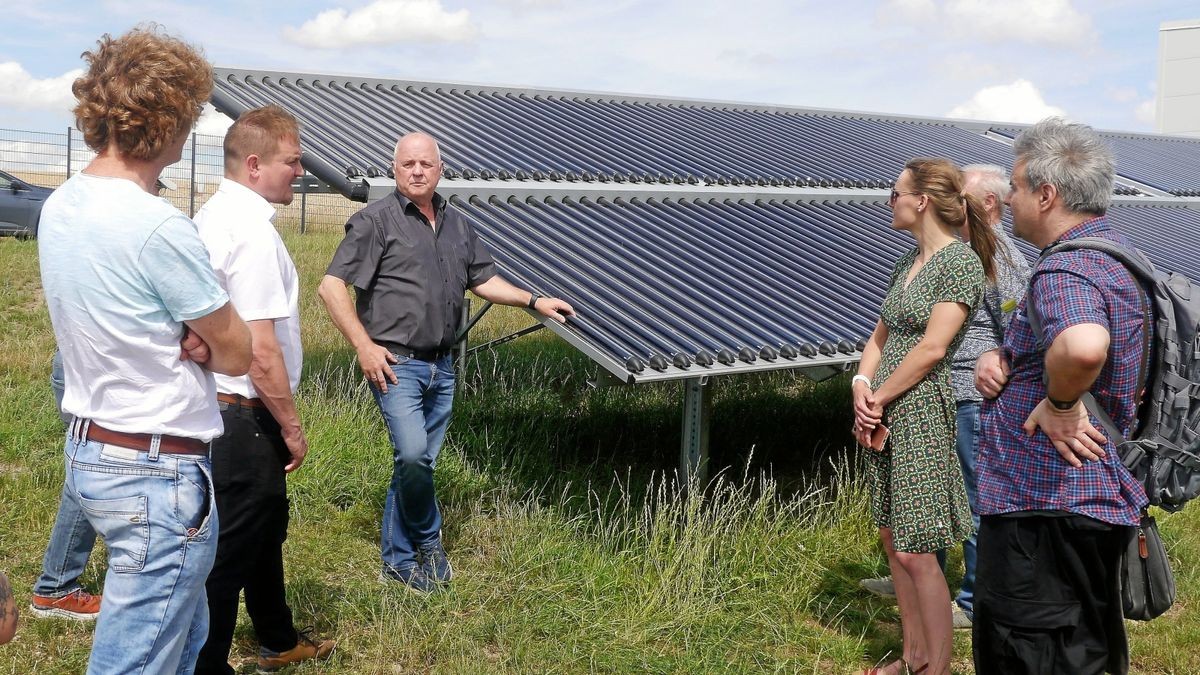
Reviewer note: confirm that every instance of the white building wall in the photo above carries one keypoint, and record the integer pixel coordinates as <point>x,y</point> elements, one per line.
<point>1178,106</point>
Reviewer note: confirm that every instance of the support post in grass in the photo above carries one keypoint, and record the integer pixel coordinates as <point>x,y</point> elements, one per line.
<point>464,328</point>
<point>697,409</point>
<point>303,200</point>
<point>192,181</point>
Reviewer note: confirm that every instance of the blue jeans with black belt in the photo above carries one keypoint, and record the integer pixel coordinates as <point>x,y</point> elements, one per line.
<point>71,537</point>
<point>157,516</point>
<point>416,411</point>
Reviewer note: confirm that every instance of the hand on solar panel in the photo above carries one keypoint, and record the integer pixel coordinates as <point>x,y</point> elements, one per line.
<point>991,373</point>
<point>554,308</point>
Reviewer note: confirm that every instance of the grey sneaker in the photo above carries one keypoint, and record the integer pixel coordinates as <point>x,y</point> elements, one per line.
<point>412,578</point>
<point>434,562</point>
<point>883,587</point>
<point>959,617</point>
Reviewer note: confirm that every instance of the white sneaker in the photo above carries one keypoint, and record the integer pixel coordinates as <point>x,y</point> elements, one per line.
<point>883,587</point>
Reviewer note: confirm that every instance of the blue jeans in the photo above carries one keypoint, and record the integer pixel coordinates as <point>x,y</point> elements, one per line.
<point>72,537</point>
<point>967,444</point>
<point>156,515</point>
<point>416,411</point>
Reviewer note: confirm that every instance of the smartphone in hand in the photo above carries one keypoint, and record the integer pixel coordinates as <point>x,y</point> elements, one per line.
<point>879,437</point>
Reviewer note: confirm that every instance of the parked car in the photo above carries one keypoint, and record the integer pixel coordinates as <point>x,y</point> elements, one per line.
<point>20,205</point>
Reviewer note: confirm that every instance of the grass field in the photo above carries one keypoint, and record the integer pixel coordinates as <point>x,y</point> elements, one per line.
<point>573,548</point>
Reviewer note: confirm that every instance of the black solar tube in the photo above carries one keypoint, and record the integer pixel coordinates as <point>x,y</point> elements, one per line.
<point>1166,164</point>
<point>531,133</point>
<point>589,323</point>
<point>641,154</point>
<point>496,135</point>
<point>596,153</point>
<point>707,144</point>
<point>803,144</point>
<point>598,225</point>
<point>658,139</point>
<point>354,119</point>
<point>560,227</point>
<point>672,218</point>
<point>732,136</point>
<point>769,298</point>
<point>1168,235</point>
<point>422,114</point>
<point>607,221</point>
<point>317,117</point>
<point>826,265</point>
<point>691,267</point>
<point>523,220</point>
<point>390,125</point>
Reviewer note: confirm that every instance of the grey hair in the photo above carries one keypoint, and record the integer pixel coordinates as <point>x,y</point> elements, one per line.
<point>420,134</point>
<point>991,179</point>
<point>1071,157</point>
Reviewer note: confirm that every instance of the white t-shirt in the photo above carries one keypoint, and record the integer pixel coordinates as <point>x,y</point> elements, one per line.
<point>254,267</point>
<point>122,270</point>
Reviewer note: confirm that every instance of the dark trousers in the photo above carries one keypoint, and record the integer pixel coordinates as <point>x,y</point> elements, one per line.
<point>252,504</point>
<point>1047,597</point>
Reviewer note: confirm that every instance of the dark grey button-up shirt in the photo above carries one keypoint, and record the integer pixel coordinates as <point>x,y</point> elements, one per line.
<point>410,279</point>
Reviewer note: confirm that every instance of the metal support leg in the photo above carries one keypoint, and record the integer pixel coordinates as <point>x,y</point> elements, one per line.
<point>697,408</point>
<point>460,360</point>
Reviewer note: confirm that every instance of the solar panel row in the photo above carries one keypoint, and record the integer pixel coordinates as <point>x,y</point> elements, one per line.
<point>670,281</point>
<point>1170,164</point>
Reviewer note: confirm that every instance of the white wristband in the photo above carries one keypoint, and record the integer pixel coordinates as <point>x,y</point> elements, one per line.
<point>863,378</point>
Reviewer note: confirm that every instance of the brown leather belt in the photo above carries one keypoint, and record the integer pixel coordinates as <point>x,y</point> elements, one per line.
<point>238,399</point>
<point>170,445</point>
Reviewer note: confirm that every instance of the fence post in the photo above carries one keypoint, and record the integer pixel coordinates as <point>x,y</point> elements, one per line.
<point>303,200</point>
<point>68,152</point>
<point>192,181</point>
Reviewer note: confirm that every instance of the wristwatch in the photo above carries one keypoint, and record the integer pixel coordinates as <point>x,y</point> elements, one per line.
<point>1062,405</point>
<point>533,300</point>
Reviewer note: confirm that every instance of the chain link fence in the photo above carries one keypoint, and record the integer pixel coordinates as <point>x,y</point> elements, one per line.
<point>47,158</point>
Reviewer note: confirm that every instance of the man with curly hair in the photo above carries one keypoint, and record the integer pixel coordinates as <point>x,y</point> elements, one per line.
<point>143,324</point>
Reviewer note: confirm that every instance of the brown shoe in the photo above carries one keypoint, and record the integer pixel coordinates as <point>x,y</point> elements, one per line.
<point>78,605</point>
<point>306,648</point>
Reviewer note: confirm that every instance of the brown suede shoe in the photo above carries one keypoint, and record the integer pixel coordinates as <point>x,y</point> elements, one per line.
<point>306,649</point>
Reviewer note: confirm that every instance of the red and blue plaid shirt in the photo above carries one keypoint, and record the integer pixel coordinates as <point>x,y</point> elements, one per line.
<point>1018,473</point>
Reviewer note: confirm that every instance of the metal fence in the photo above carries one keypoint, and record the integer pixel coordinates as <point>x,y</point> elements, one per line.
<point>47,158</point>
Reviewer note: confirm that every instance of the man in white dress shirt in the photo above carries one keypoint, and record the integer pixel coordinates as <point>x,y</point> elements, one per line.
<point>263,440</point>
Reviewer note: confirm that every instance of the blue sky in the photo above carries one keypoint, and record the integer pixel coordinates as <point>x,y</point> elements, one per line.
<point>1012,60</point>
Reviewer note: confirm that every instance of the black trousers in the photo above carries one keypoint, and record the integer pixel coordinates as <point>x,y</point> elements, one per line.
<point>252,512</point>
<point>1047,596</point>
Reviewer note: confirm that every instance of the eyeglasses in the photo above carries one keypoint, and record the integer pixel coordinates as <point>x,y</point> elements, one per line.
<point>896,195</point>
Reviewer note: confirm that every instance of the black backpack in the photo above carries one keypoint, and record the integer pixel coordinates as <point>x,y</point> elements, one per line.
<point>1163,453</point>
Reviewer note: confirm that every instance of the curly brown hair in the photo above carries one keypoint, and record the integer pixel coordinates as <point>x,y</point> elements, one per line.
<point>141,91</point>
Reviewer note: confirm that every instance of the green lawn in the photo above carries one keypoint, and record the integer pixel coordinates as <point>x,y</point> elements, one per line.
<point>573,549</point>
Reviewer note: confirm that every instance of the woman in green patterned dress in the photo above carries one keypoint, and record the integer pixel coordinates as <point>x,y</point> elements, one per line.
<point>918,498</point>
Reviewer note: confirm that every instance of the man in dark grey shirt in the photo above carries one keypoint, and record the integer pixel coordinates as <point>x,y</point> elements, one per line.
<point>411,259</point>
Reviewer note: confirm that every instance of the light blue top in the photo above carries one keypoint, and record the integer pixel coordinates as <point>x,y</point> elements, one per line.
<point>122,270</point>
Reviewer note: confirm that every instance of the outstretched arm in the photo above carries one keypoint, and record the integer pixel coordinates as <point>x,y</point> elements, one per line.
<point>499,291</point>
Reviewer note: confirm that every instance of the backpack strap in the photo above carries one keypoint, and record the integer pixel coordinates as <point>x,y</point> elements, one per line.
<point>1143,272</point>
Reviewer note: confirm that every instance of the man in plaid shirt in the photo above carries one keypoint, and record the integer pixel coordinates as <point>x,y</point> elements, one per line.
<point>1055,500</point>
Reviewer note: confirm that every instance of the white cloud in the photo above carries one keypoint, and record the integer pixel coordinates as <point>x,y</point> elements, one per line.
<point>212,122</point>
<point>1016,102</point>
<point>1121,94</point>
<point>384,22</point>
<point>1146,111</point>
<point>23,91</point>
<point>1049,22</point>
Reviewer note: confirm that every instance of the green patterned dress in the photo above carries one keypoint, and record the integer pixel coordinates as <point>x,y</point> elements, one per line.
<point>917,486</point>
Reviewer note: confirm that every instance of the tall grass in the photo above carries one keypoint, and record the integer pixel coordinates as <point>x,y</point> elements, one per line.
<point>575,547</point>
